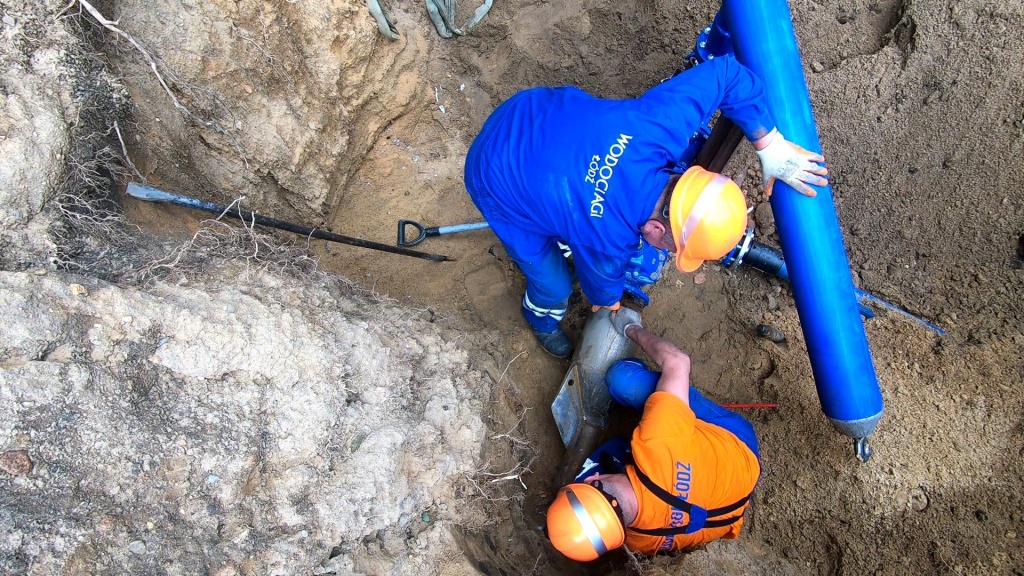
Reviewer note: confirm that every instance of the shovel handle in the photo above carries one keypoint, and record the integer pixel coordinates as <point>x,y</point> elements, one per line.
<point>424,233</point>
<point>150,194</point>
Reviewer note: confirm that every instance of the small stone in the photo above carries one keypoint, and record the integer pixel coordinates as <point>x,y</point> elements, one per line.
<point>790,552</point>
<point>932,97</point>
<point>771,332</point>
<point>10,21</point>
<point>918,500</point>
<point>700,278</point>
<point>1010,534</point>
<point>764,216</point>
<point>106,524</point>
<point>15,462</point>
<point>817,66</point>
<point>138,547</point>
<point>79,290</point>
<point>42,271</point>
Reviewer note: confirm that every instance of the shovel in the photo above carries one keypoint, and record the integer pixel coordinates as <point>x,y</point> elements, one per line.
<point>424,233</point>
<point>581,407</point>
<point>154,195</point>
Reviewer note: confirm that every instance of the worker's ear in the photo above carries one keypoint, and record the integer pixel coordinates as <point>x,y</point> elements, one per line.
<point>653,229</point>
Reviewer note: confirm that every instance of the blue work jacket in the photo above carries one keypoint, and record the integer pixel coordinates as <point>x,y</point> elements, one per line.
<point>589,171</point>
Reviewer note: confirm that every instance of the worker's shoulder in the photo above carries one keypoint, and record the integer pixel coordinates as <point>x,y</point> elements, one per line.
<point>550,93</point>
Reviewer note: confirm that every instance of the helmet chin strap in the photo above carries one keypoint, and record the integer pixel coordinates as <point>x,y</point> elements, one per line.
<point>616,487</point>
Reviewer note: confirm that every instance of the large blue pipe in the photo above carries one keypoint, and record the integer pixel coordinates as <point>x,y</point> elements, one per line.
<point>763,39</point>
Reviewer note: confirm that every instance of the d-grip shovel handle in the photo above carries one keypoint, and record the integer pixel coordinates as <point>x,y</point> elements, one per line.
<point>425,233</point>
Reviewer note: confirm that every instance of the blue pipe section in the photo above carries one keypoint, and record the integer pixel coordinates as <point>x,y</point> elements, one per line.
<point>713,40</point>
<point>763,39</point>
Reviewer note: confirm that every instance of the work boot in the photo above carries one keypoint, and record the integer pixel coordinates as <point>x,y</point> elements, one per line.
<point>556,343</point>
<point>544,323</point>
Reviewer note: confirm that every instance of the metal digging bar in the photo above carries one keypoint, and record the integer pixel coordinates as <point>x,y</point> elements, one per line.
<point>154,195</point>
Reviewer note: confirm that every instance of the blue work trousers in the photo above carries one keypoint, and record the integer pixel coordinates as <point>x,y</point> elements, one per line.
<point>548,278</point>
<point>630,382</point>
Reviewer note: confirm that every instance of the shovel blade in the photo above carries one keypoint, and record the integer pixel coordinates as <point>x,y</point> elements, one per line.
<point>568,406</point>
<point>584,400</point>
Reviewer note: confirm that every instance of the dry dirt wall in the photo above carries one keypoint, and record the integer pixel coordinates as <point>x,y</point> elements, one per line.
<point>34,131</point>
<point>284,98</point>
<point>265,425</point>
<point>255,428</point>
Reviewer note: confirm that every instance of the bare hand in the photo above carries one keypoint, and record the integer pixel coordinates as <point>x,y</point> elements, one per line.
<point>613,307</point>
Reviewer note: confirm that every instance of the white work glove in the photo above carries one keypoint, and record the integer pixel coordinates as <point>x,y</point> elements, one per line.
<point>783,160</point>
<point>623,319</point>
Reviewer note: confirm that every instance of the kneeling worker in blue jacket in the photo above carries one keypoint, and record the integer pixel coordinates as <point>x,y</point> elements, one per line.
<point>557,164</point>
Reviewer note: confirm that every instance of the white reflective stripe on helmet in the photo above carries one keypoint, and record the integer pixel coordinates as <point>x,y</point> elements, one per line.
<point>702,206</point>
<point>587,523</point>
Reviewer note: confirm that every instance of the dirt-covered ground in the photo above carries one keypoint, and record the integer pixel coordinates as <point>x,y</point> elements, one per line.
<point>304,109</point>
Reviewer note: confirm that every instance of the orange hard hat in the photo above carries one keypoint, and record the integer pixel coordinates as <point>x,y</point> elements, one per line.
<point>708,214</point>
<point>583,523</point>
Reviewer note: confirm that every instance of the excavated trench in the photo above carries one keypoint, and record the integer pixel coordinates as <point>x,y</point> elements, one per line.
<point>405,127</point>
<point>303,109</point>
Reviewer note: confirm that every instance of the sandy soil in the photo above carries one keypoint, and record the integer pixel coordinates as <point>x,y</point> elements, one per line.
<point>920,115</point>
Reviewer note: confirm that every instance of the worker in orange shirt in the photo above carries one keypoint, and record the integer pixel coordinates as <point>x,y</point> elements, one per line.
<point>685,479</point>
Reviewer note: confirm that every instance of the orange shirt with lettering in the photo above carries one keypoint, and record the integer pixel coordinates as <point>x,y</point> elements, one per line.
<point>704,464</point>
